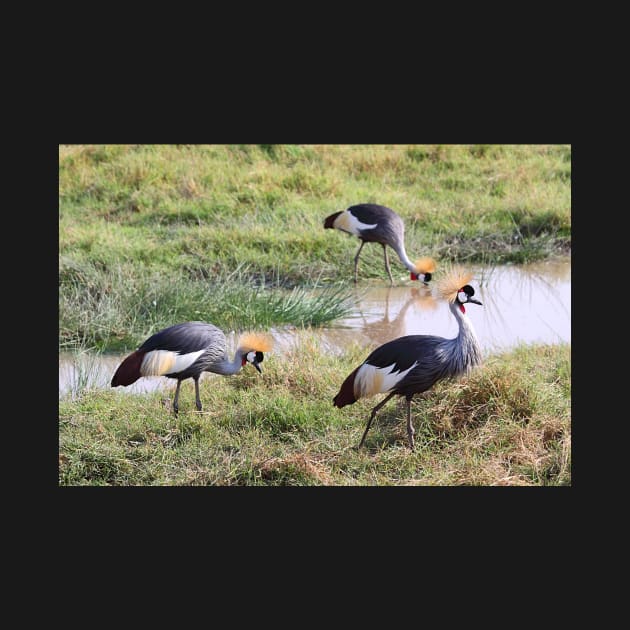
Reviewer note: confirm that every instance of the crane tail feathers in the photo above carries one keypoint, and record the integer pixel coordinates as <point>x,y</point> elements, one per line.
<point>128,371</point>
<point>328,221</point>
<point>346,392</point>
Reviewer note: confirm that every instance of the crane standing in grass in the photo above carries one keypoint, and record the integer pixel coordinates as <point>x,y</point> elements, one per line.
<point>185,351</point>
<point>377,224</point>
<point>412,364</point>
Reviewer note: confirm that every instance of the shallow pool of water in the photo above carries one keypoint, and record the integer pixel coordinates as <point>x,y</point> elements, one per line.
<point>521,304</point>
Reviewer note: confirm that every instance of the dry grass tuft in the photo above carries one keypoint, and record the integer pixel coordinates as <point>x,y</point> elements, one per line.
<point>295,466</point>
<point>189,189</point>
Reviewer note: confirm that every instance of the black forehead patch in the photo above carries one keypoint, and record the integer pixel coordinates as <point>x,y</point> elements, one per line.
<point>259,356</point>
<point>468,290</point>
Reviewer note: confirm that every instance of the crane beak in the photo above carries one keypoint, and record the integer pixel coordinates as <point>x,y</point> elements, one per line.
<point>474,301</point>
<point>256,365</point>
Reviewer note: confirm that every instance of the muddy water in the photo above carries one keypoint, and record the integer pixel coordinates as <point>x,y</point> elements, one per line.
<point>521,304</point>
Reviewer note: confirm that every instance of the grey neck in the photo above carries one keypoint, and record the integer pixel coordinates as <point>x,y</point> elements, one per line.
<point>404,259</point>
<point>466,343</point>
<point>226,366</point>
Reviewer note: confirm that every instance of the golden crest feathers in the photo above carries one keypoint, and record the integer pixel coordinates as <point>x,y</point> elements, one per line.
<point>425,265</point>
<point>453,282</point>
<point>260,342</point>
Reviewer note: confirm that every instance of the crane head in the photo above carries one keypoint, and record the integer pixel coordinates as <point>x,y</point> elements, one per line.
<point>424,268</point>
<point>455,288</point>
<point>464,296</point>
<point>255,358</point>
<point>252,345</point>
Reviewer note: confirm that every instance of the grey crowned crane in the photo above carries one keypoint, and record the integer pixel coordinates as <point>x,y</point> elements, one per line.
<point>372,223</point>
<point>412,364</point>
<point>185,351</point>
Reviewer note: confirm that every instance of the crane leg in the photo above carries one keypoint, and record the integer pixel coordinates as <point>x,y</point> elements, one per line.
<point>389,271</point>
<point>197,399</point>
<point>356,262</point>
<point>372,416</point>
<point>410,430</point>
<point>176,399</point>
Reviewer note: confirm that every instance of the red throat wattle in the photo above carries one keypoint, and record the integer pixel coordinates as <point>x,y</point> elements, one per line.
<point>413,276</point>
<point>461,308</point>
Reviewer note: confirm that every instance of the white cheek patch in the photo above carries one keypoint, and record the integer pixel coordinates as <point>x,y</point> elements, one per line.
<point>349,223</point>
<point>371,380</point>
<point>251,356</point>
<point>462,296</point>
<point>159,362</point>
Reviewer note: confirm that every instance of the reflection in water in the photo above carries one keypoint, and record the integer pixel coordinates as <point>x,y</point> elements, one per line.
<point>384,313</point>
<point>521,304</point>
<point>415,302</point>
<point>526,304</point>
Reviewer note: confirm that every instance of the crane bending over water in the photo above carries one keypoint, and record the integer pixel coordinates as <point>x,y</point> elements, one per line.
<point>373,223</point>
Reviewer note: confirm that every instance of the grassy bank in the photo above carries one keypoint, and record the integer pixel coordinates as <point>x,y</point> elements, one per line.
<point>117,310</point>
<point>195,228</point>
<point>508,423</point>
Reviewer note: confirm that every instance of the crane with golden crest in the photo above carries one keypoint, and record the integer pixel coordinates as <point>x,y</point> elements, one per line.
<point>186,351</point>
<point>373,223</point>
<point>412,364</point>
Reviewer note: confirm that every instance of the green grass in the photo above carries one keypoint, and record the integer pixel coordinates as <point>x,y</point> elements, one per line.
<point>183,220</point>
<point>508,423</point>
<point>117,310</point>
<point>205,208</point>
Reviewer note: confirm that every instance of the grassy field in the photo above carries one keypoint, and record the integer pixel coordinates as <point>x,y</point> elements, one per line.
<point>508,423</point>
<point>154,235</point>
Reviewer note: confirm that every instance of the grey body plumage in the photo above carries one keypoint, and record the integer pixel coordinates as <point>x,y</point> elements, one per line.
<point>191,337</point>
<point>390,228</point>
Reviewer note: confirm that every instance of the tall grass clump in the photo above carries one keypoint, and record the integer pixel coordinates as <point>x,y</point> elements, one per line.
<point>305,307</point>
<point>115,308</point>
<point>84,372</point>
